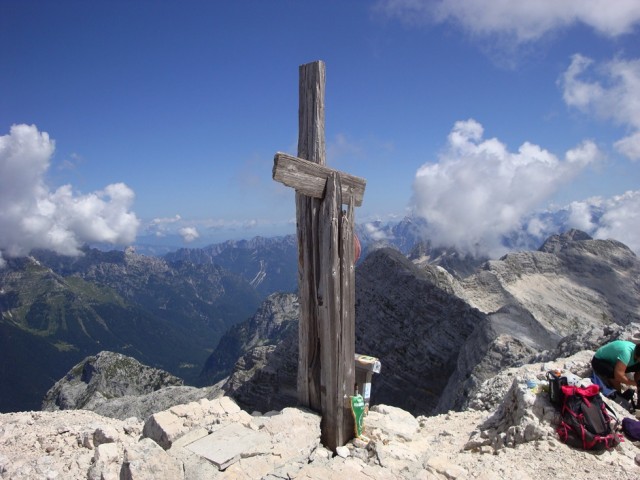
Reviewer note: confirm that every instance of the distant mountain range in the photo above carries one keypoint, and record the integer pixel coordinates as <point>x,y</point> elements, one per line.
<point>168,312</point>
<point>268,264</point>
<point>171,312</point>
<point>402,234</point>
<point>56,310</point>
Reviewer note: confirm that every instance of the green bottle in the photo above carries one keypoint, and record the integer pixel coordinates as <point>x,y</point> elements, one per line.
<point>358,409</point>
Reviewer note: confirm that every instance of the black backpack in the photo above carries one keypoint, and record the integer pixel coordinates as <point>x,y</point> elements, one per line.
<point>587,422</point>
<point>556,381</point>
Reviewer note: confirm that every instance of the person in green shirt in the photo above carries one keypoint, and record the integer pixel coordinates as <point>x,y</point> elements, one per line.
<point>614,360</point>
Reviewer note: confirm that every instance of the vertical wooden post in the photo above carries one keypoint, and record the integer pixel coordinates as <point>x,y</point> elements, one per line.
<point>336,317</point>
<point>347,329</point>
<point>326,375</point>
<point>311,146</point>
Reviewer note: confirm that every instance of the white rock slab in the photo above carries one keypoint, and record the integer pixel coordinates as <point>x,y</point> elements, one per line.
<point>230,443</point>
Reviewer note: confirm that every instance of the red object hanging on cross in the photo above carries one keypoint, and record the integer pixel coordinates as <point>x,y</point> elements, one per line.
<point>357,249</point>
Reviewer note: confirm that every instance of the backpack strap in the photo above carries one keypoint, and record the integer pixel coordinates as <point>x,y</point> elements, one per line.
<point>613,414</point>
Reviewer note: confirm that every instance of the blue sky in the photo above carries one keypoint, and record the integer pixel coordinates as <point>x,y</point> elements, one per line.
<point>121,120</point>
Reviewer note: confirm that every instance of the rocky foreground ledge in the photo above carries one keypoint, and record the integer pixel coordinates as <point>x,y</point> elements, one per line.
<point>510,434</point>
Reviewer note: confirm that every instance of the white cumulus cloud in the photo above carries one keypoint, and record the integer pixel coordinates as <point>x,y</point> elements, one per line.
<point>375,232</point>
<point>33,216</point>
<point>580,214</point>
<point>161,226</point>
<point>522,21</point>
<point>621,220</point>
<point>478,191</point>
<point>189,234</point>
<point>610,91</point>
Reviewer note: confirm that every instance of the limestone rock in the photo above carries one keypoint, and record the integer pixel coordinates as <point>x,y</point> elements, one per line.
<point>118,386</point>
<point>393,421</point>
<point>146,460</point>
<point>170,425</point>
<point>103,376</point>
<point>436,348</point>
<point>398,445</point>
<point>415,328</point>
<point>142,406</point>
<point>268,326</point>
<point>572,281</point>
<point>106,464</point>
<point>590,338</point>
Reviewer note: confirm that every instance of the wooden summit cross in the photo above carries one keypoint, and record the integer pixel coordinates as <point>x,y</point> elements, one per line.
<point>326,275</point>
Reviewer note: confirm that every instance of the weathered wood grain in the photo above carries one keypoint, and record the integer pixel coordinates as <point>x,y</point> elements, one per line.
<point>311,147</point>
<point>310,178</point>
<point>337,334</point>
<point>329,312</point>
<point>347,344</point>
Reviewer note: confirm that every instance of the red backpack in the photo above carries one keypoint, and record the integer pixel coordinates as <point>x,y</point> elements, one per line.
<point>587,422</point>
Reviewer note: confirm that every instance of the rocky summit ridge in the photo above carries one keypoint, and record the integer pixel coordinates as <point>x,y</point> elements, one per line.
<point>572,281</point>
<point>508,432</point>
<point>463,350</point>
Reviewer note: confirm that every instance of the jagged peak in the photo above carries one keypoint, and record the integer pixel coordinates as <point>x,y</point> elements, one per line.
<point>556,243</point>
<point>387,254</point>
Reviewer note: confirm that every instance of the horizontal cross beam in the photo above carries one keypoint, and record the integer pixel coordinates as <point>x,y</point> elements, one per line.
<point>309,178</point>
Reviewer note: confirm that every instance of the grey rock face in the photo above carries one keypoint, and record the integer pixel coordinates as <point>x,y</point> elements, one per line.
<point>270,325</point>
<point>591,338</point>
<point>415,328</point>
<point>556,243</point>
<point>117,386</point>
<point>572,283</point>
<point>435,348</point>
<point>533,299</point>
<point>144,405</point>
<point>484,355</point>
<point>264,378</point>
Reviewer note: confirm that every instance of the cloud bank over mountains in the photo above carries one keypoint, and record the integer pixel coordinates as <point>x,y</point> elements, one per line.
<point>474,195</point>
<point>33,216</point>
<point>478,192</point>
<point>617,217</point>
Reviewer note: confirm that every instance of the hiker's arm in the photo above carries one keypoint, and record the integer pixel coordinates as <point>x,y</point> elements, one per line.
<point>619,376</point>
